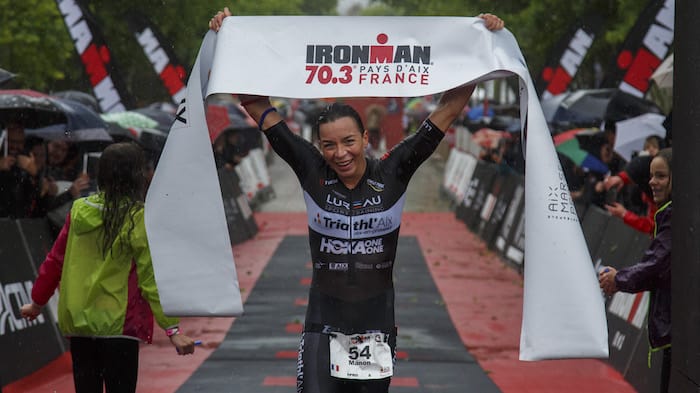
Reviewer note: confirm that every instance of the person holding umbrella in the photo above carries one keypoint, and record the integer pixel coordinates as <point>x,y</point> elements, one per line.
<point>19,190</point>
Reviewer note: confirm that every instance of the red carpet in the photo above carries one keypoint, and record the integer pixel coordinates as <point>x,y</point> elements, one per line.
<point>483,296</point>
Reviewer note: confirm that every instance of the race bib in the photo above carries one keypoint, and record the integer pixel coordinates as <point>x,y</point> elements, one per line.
<point>361,356</point>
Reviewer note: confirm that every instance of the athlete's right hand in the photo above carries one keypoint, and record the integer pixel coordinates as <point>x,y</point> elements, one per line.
<point>218,19</point>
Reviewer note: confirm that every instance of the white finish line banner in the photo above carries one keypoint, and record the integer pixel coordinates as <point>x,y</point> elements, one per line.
<point>316,57</point>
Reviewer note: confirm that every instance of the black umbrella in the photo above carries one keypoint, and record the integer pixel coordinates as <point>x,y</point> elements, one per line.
<point>576,109</point>
<point>164,118</point>
<point>84,98</point>
<point>623,106</point>
<point>30,108</point>
<point>80,124</point>
<point>5,76</point>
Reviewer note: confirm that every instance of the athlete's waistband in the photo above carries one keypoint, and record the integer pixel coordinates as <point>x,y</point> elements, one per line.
<point>343,266</point>
<point>327,329</point>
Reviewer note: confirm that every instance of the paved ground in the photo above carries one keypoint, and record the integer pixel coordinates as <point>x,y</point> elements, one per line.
<point>476,300</point>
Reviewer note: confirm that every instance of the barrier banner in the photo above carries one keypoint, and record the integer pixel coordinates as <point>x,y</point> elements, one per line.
<point>594,223</point>
<point>238,212</point>
<point>314,57</point>
<point>185,217</point>
<point>511,237</point>
<point>39,237</point>
<point>621,246</point>
<point>26,345</point>
<point>478,189</point>
<point>637,371</point>
<point>495,207</point>
<point>459,170</point>
<point>464,176</point>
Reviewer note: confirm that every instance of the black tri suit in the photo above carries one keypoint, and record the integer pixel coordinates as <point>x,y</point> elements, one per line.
<point>353,237</point>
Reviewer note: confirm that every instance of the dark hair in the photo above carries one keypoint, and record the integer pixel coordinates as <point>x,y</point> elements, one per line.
<point>121,177</point>
<point>334,112</point>
<point>655,139</point>
<point>667,155</point>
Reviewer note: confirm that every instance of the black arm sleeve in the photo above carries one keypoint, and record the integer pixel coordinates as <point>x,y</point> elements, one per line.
<point>300,154</point>
<point>405,158</point>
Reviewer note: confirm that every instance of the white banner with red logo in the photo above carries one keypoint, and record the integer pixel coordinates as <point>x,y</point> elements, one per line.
<point>314,57</point>
<point>185,219</point>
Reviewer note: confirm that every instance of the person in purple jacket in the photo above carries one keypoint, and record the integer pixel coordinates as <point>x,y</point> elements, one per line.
<point>653,272</point>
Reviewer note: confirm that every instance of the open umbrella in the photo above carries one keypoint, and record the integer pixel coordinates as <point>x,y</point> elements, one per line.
<point>663,76</point>
<point>5,76</point>
<point>30,108</point>
<point>580,108</point>
<point>569,144</point>
<point>62,120</point>
<point>84,98</point>
<point>164,118</point>
<point>150,139</point>
<point>625,106</point>
<point>591,107</point>
<point>130,119</point>
<point>631,133</point>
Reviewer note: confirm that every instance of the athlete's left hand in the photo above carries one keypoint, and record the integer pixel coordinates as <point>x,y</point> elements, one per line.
<point>492,22</point>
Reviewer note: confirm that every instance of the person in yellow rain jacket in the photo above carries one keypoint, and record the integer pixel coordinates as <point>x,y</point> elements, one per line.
<point>107,295</point>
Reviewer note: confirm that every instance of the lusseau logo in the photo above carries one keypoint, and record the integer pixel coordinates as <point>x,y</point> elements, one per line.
<point>365,64</point>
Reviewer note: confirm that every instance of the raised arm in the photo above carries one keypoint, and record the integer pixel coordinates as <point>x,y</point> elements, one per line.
<point>453,101</point>
<point>256,106</point>
<point>449,107</point>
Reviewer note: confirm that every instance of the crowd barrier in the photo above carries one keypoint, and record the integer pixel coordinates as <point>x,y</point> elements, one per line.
<point>24,243</point>
<point>27,346</point>
<point>254,177</point>
<point>489,199</point>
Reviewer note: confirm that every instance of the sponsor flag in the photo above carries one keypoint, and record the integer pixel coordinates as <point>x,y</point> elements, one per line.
<point>185,217</point>
<point>567,56</point>
<point>313,57</point>
<point>160,54</point>
<point>107,84</point>
<point>646,46</point>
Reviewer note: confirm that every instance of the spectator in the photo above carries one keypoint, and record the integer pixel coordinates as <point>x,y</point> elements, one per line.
<point>63,160</point>
<point>636,175</point>
<point>593,188</point>
<point>653,272</point>
<point>19,190</point>
<point>652,145</point>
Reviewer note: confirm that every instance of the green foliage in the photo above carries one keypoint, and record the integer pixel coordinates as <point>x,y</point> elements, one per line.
<point>539,24</point>
<point>35,43</point>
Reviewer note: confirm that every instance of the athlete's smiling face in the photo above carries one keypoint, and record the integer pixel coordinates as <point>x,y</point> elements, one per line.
<point>343,147</point>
